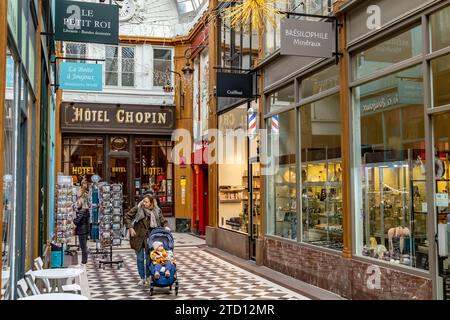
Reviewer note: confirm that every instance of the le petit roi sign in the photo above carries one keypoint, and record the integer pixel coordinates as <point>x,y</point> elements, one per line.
<point>86,22</point>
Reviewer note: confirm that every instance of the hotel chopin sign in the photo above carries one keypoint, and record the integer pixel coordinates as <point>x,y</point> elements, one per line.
<point>104,118</point>
<point>86,22</point>
<point>307,38</point>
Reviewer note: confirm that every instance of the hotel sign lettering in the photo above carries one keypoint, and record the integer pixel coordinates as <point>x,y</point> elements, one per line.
<point>117,119</point>
<point>149,171</point>
<point>82,170</point>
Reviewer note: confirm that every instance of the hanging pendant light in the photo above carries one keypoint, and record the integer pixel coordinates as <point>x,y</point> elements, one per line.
<point>257,13</point>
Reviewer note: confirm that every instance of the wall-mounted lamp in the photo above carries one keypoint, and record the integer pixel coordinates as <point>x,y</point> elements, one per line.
<point>188,71</point>
<point>168,87</point>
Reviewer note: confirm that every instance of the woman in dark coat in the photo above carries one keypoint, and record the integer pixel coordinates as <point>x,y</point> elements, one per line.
<point>140,221</point>
<point>82,222</point>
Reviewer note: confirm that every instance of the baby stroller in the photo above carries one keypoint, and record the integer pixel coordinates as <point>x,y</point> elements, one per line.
<point>161,234</point>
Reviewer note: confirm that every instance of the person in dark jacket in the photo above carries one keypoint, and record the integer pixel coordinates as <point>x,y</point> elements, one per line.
<point>82,222</point>
<point>140,220</point>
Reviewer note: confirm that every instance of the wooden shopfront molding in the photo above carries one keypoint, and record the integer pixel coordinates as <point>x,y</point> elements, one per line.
<point>108,118</point>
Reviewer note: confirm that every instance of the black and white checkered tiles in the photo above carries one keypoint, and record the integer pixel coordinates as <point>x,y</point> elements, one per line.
<point>200,275</point>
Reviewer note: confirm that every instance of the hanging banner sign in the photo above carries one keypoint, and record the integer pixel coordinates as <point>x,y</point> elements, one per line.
<point>307,38</point>
<point>86,22</point>
<point>80,76</point>
<point>237,85</point>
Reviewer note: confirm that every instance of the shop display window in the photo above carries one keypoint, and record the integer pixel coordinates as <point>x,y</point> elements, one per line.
<point>154,171</point>
<point>389,185</point>
<point>392,51</point>
<point>281,98</point>
<point>83,156</point>
<point>320,82</point>
<point>439,27</point>
<point>233,175</point>
<point>282,216</point>
<point>441,133</point>
<point>440,69</point>
<point>321,173</point>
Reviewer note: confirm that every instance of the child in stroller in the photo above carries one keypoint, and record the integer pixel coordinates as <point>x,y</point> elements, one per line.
<point>162,260</point>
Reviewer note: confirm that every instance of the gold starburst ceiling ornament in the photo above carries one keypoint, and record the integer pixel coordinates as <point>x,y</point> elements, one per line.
<point>256,13</point>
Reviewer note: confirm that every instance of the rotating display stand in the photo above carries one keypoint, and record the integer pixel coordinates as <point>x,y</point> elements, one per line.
<point>95,209</point>
<point>65,206</point>
<point>110,214</point>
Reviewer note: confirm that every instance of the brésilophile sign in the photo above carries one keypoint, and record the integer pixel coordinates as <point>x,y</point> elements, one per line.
<point>80,76</point>
<point>86,22</point>
<point>307,38</point>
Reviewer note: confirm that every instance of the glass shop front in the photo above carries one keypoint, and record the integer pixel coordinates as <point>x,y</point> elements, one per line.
<point>139,162</point>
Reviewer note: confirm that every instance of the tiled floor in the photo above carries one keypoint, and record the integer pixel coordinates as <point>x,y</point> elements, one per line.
<point>201,275</point>
<point>181,240</point>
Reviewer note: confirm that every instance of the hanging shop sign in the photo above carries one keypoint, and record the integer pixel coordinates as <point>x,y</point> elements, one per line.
<point>80,76</point>
<point>235,85</point>
<point>307,38</point>
<point>84,117</point>
<point>86,22</point>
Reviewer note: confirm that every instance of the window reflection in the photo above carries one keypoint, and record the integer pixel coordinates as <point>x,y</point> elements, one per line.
<point>9,159</point>
<point>392,200</point>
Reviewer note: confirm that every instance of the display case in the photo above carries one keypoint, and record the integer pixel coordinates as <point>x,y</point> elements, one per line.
<point>286,223</point>
<point>322,203</point>
<point>111,214</point>
<point>394,205</point>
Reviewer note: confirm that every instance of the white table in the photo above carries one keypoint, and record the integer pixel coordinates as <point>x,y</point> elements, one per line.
<point>58,276</point>
<point>55,296</point>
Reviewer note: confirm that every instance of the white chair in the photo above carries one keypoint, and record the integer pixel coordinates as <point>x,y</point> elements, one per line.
<point>22,288</point>
<point>74,287</point>
<point>39,265</point>
<point>31,281</point>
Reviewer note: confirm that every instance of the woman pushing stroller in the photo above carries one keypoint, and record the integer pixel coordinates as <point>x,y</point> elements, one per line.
<point>140,221</point>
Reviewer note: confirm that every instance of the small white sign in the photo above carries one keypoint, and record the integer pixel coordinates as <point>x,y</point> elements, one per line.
<point>442,199</point>
<point>424,207</point>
